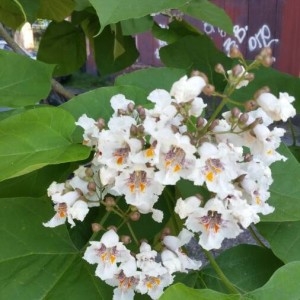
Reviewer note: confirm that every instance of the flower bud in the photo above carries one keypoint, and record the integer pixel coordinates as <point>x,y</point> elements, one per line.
<point>243,119</point>
<point>237,70</point>
<point>135,216</point>
<point>122,112</point>
<point>112,227</point>
<point>249,76</point>
<point>248,157</point>
<point>235,112</point>
<point>219,69</point>
<point>96,227</point>
<point>235,52</point>
<point>89,172</point>
<point>125,239</point>
<point>213,124</point>
<point>201,74</point>
<point>208,90</point>
<point>200,122</point>
<point>92,186</point>
<point>141,111</point>
<point>109,201</point>
<point>100,123</point>
<point>250,105</point>
<point>130,107</point>
<point>264,89</point>
<point>133,130</point>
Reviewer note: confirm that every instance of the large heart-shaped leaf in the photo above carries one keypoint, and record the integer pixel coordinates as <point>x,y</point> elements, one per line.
<point>285,189</point>
<point>284,284</point>
<point>23,81</point>
<point>38,262</point>
<point>114,11</point>
<point>11,13</point>
<point>63,44</point>
<point>284,239</point>
<point>36,138</point>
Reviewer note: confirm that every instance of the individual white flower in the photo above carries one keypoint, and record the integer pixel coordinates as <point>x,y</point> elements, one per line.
<point>126,278</point>
<point>217,166</point>
<point>197,107</point>
<point>55,188</point>
<point>91,131</point>
<point>177,158</point>
<point>277,108</point>
<point>173,258</point>
<point>186,89</point>
<point>138,185</point>
<point>106,254</point>
<point>215,223</point>
<point>63,208</point>
<point>184,207</point>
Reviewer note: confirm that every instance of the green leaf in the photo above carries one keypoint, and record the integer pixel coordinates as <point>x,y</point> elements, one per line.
<point>179,291</point>
<point>63,44</point>
<point>56,10</point>
<point>284,239</point>
<point>284,284</point>
<point>107,42</point>
<point>247,266</point>
<point>151,78</point>
<point>196,53</point>
<point>208,12</point>
<point>30,8</point>
<point>35,184</point>
<point>175,31</point>
<point>96,103</point>
<point>23,81</point>
<point>134,26</point>
<point>114,11</point>
<point>285,189</point>
<point>11,13</point>
<point>37,138</point>
<point>38,262</point>
<point>81,4</point>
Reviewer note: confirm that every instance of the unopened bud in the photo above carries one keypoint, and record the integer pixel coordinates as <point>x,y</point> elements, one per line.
<point>96,227</point>
<point>266,51</point>
<point>264,89</point>
<point>130,107</point>
<point>237,70</point>
<point>248,157</point>
<point>243,119</point>
<point>125,239</point>
<point>250,105</point>
<point>235,52</point>
<point>92,186</point>
<point>209,89</point>
<point>166,231</point>
<point>200,122</point>
<point>201,74</point>
<point>213,124</point>
<point>112,227</point>
<point>100,123</point>
<point>219,69</point>
<point>235,112</point>
<point>110,201</point>
<point>135,216</point>
<point>249,76</point>
<point>122,112</point>
<point>267,61</point>
<point>89,172</point>
<point>141,129</point>
<point>133,130</point>
<point>141,111</point>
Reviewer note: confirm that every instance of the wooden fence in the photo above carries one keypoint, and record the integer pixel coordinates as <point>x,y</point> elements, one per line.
<point>257,23</point>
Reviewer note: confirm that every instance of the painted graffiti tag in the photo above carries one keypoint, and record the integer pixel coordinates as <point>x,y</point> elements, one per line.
<point>262,38</point>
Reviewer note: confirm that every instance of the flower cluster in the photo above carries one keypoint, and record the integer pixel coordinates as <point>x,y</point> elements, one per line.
<point>141,151</point>
<point>141,273</point>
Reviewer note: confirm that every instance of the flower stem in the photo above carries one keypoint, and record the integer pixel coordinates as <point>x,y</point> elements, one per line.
<point>230,287</point>
<point>256,237</point>
<point>133,234</point>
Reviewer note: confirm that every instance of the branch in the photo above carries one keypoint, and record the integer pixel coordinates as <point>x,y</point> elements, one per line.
<point>56,86</point>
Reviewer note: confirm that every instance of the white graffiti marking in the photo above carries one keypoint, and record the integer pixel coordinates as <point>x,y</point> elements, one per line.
<point>262,38</point>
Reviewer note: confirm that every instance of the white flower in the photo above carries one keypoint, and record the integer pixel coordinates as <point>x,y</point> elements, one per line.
<point>64,211</point>
<point>107,253</point>
<point>186,89</point>
<point>119,102</point>
<point>214,222</point>
<point>173,258</point>
<point>277,108</point>
<point>184,207</point>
